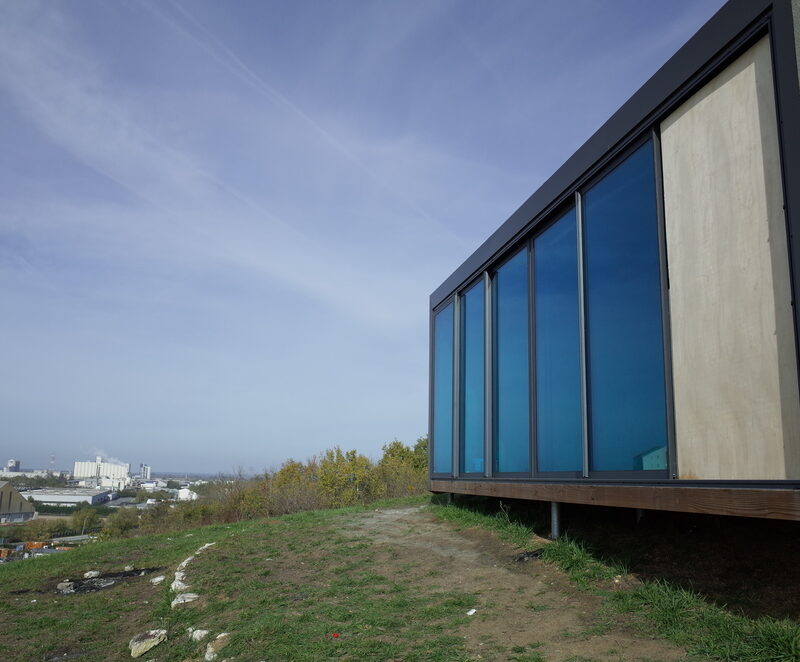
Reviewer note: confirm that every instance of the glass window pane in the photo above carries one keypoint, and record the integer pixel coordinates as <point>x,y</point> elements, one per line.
<point>443,391</point>
<point>559,437</point>
<point>472,378</point>
<point>625,360</point>
<point>511,378</point>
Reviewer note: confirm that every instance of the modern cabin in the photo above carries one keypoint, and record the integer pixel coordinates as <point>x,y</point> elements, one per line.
<point>629,336</point>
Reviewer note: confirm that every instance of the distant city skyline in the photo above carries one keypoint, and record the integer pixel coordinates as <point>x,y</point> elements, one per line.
<point>220,223</point>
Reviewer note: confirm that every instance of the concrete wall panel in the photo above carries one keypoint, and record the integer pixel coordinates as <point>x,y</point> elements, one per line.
<point>737,408</point>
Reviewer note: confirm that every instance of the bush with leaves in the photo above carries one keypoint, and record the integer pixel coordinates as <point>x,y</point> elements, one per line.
<point>85,519</point>
<point>399,470</point>
<point>295,488</point>
<point>121,523</point>
<point>347,478</point>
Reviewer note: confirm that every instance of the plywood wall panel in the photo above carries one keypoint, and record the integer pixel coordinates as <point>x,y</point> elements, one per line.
<point>737,408</point>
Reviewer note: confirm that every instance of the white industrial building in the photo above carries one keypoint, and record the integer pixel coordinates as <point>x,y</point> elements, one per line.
<point>13,466</point>
<point>69,496</point>
<point>185,494</point>
<point>100,469</point>
<point>36,473</point>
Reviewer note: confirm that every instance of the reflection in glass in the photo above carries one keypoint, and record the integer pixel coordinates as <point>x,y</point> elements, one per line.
<point>511,377</point>
<point>472,378</point>
<point>443,391</point>
<point>627,422</point>
<point>559,438</point>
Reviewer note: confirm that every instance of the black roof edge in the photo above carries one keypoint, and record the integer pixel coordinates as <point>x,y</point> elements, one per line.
<point>723,27</point>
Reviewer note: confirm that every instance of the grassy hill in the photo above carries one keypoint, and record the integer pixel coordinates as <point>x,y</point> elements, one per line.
<point>395,581</point>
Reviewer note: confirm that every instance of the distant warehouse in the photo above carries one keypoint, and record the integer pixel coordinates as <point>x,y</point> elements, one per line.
<point>68,496</point>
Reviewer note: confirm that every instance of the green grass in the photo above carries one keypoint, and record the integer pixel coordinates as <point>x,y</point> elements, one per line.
<point>710,631</point>
<point>707,631</point>
<point>577,561</point>
<point>282,589</point>
<point>500,523</point>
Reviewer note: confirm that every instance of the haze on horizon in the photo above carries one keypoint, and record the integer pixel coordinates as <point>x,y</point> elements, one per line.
<point>220,222</point>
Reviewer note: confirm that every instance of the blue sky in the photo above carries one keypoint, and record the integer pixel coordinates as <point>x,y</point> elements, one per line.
<point>220,222</point>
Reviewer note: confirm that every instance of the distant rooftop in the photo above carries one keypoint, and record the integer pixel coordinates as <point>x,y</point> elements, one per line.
<point>62,491</point>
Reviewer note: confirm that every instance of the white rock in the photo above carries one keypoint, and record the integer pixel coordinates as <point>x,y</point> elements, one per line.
<point>66,587</point>
<point>183,598</point>
<point>178,586</point>
<point>199,635</point>
<point>143,642</point>
<point>206,546</point>
<point>182,565</point>
<point>128,568</point>
<point>91,574</point>
<point>157,580</point>
<point>213,648</point>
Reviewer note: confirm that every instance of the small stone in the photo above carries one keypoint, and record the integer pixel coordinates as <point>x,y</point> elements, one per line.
<point>205,547</point>
<point>178,586</point>
<point>199,635</point>
<point>157,580</point>
<point>91,574</point>
<point>183,598</point>
<point>213,648</point>
<point>65,587</point>
<point>128,568</point>
<point>143,642</point>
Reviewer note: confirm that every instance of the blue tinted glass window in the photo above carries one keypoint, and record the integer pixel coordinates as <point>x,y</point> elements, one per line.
<point>559,436</point>
<point>511,361</point>
<point>443,391</point>
<point>473,312</point>
<point>627,421</point>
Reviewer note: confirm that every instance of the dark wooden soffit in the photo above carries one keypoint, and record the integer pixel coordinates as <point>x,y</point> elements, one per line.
<point>740,502</point>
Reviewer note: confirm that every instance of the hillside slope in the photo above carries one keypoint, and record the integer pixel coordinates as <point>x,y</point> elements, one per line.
<point>380,584</point>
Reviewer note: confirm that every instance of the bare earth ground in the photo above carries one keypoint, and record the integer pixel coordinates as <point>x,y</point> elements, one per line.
<point>529,605</point>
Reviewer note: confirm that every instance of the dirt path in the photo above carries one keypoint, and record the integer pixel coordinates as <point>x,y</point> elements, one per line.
<point>523,608</point>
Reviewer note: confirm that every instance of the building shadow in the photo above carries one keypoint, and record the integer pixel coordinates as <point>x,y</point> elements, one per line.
<point>745,565</point>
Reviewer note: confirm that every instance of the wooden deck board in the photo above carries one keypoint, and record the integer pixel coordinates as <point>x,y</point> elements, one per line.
<point>777,503</point>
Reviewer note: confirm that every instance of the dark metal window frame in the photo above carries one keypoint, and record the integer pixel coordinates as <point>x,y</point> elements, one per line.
<point>734,28</point>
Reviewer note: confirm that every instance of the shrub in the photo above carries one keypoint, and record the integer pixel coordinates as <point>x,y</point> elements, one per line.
<point>121,522</point>
<point>294,488</point>
<point>84,519</point>
<point>399,471</point>
<point>347,478</point>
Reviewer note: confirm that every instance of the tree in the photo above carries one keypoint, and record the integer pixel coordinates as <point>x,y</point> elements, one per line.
<point>122,521</point>
<point>399,469</point>
<point>85,518</point>
<point>173,485</point>
<point>295,487</point>
<point>346,479</point>
<point>421,454</point>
